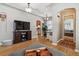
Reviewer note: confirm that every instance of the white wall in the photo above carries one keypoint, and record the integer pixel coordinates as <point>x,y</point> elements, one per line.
<point>6,27</point>
<point>58,7</point>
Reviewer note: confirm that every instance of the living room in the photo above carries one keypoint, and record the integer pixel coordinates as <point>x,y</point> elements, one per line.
<point>12,15</point>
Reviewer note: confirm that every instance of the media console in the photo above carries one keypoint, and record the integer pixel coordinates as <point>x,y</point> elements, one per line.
<point>21,31</point>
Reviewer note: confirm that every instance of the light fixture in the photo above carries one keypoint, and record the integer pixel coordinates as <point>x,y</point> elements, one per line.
<point>58,14</point>
<point>2,16</point>
<point>28,9</point>
<point>46,15</point>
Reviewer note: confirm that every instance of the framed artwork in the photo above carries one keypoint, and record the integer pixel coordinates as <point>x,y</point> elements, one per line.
<point>2,16</point>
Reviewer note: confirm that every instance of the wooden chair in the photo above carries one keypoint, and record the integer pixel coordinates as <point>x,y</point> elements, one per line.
<point>38,52</point>
<point>30,53</point>
<point>44,52</point>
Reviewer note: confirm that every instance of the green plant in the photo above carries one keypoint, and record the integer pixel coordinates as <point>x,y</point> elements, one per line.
<point>44,27</point>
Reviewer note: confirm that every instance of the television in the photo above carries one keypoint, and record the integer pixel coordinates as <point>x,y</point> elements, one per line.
<point>21,25</point>
<point>26,25</point>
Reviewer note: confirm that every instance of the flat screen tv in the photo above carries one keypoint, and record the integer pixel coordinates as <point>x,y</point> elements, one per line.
<point>26,25</point>
<point>21,25</point>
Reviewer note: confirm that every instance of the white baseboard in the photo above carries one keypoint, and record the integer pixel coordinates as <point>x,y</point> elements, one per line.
<point>76,50</point>
<point>54,43</point>
<point>34,36</point>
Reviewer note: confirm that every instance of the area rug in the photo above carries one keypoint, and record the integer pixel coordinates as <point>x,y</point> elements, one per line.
<point>54,51</point>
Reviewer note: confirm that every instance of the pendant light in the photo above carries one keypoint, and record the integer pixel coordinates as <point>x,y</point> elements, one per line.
<point>46,15</point>
<point>28,9</point>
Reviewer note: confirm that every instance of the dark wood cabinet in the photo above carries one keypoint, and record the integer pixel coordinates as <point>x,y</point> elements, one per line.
<point>21,31</point>
<point>68,34</point>
<point>21,36</point>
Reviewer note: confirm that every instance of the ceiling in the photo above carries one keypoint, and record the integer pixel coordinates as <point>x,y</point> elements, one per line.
<point>37,8</point>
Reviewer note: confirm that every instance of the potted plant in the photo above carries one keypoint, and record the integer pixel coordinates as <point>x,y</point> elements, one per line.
<point>44,29</point>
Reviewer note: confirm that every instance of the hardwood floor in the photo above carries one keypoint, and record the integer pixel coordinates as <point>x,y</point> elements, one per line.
<point>7,50</point>
<point>67,51</point>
